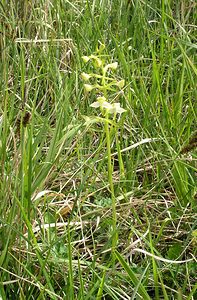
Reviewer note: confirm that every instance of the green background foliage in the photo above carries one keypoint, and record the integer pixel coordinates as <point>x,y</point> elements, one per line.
<point>56,224</point>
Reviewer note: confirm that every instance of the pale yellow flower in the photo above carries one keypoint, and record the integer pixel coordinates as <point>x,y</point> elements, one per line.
<point>101,47</point>
<point>85,58</point>
<point>97,60</point>
<point>88,87</point>
<point>85,76</point>
<point>102,103</point>
<point>116,109</point>
<point>112,66</point>
<point>120,83</point>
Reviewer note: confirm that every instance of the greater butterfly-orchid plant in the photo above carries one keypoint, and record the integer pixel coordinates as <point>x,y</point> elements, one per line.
<point>103,83</point>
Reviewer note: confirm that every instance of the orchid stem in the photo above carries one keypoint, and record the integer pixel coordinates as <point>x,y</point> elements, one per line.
<point>110,178</point>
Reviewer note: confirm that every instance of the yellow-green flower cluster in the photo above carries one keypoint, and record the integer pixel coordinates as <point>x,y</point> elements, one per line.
<point>102,83</point>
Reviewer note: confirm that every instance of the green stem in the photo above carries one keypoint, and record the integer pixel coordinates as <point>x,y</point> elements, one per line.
<point>110,178</point>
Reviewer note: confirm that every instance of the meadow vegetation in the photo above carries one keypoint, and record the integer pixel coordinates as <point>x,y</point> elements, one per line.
<point>98,164</point>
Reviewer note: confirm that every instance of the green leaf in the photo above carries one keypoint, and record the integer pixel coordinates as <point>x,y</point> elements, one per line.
<point>174,251</point>
<point>141,290</point>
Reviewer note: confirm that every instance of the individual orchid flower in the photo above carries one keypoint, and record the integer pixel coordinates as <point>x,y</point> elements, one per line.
<point>85,58</point>
<point>97,60</point>
<point>121,83</point>
<point>100,48</point>
<point>102,103</point>
<point>88,87</point>
<point>85,76</point>
<point>116,109</point>
<point>112,66</point>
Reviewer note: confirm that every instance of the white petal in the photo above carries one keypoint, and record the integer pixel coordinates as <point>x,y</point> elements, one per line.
<point>106,105</point>
<point>95,104</point>
<point>116,109</point>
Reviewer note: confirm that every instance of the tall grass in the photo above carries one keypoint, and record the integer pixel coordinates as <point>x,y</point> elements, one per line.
<point>56,204</point>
